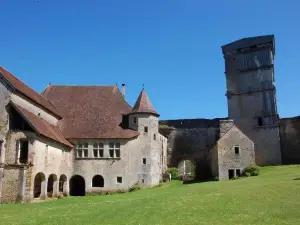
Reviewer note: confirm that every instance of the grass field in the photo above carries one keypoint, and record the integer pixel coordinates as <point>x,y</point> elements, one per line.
<point>271,198</point>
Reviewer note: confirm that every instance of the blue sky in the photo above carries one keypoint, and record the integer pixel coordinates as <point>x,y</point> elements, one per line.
<point>172,47</point>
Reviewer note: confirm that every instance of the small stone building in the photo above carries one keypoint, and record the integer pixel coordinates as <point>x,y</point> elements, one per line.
<point>233,152</point>
<point>75,140</point>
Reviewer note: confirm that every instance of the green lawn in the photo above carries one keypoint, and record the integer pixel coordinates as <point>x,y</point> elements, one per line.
<point>271,198</point>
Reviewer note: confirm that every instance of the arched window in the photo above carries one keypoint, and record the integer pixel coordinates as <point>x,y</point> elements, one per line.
<point>98,181</point>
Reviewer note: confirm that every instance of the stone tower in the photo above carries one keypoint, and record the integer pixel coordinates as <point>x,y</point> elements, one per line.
<point>144,119</point>
<point>251,94</point>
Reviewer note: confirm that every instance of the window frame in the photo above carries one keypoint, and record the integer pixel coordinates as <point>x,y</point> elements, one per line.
<point>98,147</point>
<point>119,179</point>
<point>115,149</point>
<point>83,148</point>
<point>236,150</point>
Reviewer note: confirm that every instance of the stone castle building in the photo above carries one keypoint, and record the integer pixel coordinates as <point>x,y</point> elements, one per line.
<point>252,114</point>
<point>84,139</point>
<point>75,140</point>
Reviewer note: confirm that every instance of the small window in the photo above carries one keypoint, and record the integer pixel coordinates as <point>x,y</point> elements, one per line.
<point>143,181</point>
<point>260,121</point>
<point>154,137</point>
<point>1,148</point>
<point>134,120</point>
<point>237,150</point>
<point>146,129</point>
<point>238,172</point>
<point>23,148</point>
<point>144,161</point>
<point>119,180</point>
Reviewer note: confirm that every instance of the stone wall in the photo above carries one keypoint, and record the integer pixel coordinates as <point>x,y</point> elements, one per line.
<point>192,139</point>
<point>290,140</point>
<point>5,93</point>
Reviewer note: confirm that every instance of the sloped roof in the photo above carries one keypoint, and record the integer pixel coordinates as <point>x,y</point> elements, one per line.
<point>249,41</point>
<point>90,111</point>
<point>28,92</point>
<point>41,126</point>
<point>143,104</point>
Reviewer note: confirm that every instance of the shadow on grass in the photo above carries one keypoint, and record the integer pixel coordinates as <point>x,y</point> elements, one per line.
<point>197,181</point>
<point>297,178</point>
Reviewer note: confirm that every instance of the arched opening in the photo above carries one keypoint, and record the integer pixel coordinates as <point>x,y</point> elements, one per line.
<point>62,187</point>
<point>187,169</point>
<point>39,186</point>
<point>52,186</point>
<point>77,186</point>
<point>98,181</point>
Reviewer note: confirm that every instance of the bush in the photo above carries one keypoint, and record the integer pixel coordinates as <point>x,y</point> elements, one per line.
<point>174,173</point>
<point>216,178</point>
<point>252,171</point>
<point>135,187</point>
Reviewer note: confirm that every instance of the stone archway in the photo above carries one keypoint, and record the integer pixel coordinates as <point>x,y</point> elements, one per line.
<point>63,185</point>
<point>52,186</point>
<point>39,189</point>
<point>77,186</point>
<point>98,181</point>
<point>187,169</point>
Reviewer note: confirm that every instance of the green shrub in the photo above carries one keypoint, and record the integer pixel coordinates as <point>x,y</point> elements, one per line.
<point>135,187</point>
<point>174,173</point>
<point>216,178</point>
<point>252,171</point>
<point>235,178</point>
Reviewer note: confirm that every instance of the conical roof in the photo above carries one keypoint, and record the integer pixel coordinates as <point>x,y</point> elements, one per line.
<point>143,104</point>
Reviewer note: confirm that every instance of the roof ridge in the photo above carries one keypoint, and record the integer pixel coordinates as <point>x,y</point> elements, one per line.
<point>27,91</point>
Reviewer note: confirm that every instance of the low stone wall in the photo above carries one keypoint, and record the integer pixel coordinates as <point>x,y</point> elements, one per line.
<point>290,140</point>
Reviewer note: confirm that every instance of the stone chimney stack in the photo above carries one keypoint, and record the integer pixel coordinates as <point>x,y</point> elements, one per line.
<point>123,90</point>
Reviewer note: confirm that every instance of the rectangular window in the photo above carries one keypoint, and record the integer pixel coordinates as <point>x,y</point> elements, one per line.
<point>146,129</point>
<point>114,150</point>
<point>154,137</point>
<point>144,161</point>
<point>260,121</point>
<point>1,142</point>
<point>134,120</point>
<point>98,150</point>
<point>23,148</point>
<point>237,150</point>
<point>119,180</point>
<point>82,150</point>
<point>143,181</point>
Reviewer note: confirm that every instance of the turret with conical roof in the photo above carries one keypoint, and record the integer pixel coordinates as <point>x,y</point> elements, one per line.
<point>143,104</point>
<point>143,116</point>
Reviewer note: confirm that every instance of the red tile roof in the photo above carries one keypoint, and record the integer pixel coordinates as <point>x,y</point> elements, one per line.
<point>143,104</point>
<point>28,92</point>
<point>41,126</point>
<point>90,111</point>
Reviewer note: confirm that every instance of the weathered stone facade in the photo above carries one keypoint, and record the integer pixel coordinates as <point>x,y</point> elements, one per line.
<point>251,94</point>
<point>34,166</point>
<point>194,138</point>
<point>234,151</point>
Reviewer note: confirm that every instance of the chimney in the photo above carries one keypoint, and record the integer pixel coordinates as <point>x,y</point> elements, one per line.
<point>123,90</point>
